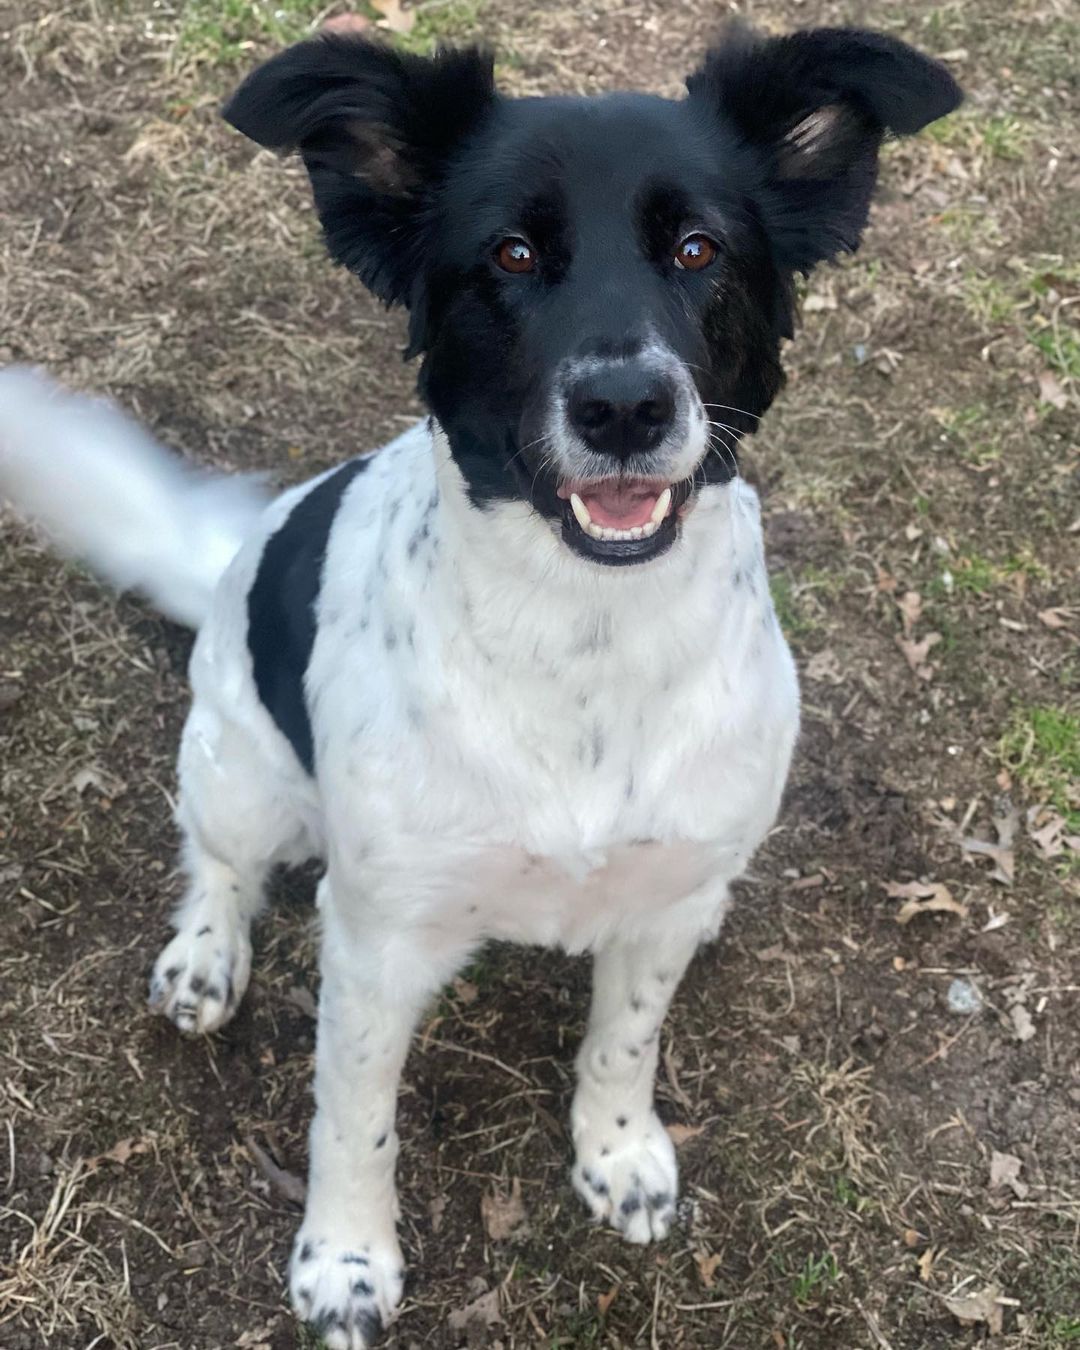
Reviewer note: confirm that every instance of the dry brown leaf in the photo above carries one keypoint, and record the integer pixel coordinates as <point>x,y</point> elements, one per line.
<point>482,1311</point>
<point>346,23</point>
<point>304,1000</point>
<point>912,1237</point>
<point>1058,617</point>
<point>926,1264</point>
<point>824,667</point>
<point>706,1263</point>
<point>287,1184</point>
<point>503,1214</point>
<point>923,898</point>
<point>393,16</point>
<point>1022,1025</point>
<point>1005,1171</point>
<point>122,1151</point>
<point>981,1306</point>
<point>910,607</point>
<point>604,1301</point>
<point>915,654</point>
<point>681,1134</point>
<point>1050,390</point>
<point>436,1209</point>
<point>1001,853</point>
<point>465,990</point>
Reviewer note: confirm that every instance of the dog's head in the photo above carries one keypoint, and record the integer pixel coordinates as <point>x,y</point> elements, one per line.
<point>598,287</point>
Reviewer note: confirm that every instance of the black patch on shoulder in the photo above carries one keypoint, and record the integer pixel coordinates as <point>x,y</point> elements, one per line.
<point>281,607</point>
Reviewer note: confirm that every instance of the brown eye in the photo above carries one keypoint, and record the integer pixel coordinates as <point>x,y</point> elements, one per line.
<point>695,253</point>
<point>514,255</point>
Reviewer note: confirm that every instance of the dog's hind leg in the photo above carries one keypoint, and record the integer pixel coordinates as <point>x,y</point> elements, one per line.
<point>238,817</point>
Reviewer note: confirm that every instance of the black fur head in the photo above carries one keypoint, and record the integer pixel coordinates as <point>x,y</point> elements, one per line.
<point>598,287</point>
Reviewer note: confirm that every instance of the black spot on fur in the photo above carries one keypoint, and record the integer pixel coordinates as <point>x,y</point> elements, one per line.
<point>204,930</point>
<point>281,607</point>
<point>622,1122</point>
<point>381,1141</point>
<point>631,1204</point>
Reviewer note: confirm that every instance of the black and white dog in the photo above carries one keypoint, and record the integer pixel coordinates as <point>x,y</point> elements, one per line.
<point>517,675</point>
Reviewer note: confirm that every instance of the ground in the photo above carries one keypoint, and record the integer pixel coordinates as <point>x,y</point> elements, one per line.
<point>874,1077</point>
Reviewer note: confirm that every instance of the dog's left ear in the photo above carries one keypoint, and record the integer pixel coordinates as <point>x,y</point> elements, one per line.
<point>812,107</point>
<point>376,128</point>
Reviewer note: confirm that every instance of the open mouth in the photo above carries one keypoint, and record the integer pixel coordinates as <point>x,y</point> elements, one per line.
<point>621,520</point>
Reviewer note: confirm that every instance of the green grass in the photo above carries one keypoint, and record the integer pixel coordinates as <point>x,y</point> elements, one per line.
<point>224,32</point>
<point>1061,347</point>
<point>454,21</point>
<point>790,606</point>
<point>819,1274</point>
<point>1041,747</point>
<point>1065,1330</point>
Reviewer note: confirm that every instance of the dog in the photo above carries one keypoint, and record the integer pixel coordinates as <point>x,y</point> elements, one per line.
<point>516,675</point>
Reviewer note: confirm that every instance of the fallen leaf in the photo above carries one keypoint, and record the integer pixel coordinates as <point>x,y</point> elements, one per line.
<point>503,1214</point>
<point>1002,853</point>
<point>982,1306</point>
<point>912,1237</point>
<point>1050,390</point>
<point>465,990</point>
<point>681,1134</point>
<point>1058,617</point>
<point>394,17</point>
<point>304,1000</point>
<point>910,607</point>
<point>481,1312</point>
<point>706,1263</point>
<point>824,667</point>
<point>346,23</point>
<point>1023,1026</point>
<point>436,1209</point>
<point>923,898</point>
<point>1005,1171</point>
<point>287,1184</point>
<point>122,1151</point>
<point>604,1301</point>
<point>915,654</point>
<point>926,1263</point>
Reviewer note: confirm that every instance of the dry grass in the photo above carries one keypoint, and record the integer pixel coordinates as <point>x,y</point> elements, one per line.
<point>840,1122</point>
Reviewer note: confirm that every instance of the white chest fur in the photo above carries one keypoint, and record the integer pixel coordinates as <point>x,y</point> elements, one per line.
<point>519,744</point>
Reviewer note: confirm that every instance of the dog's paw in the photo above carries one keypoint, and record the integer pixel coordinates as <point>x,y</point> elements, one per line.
<point>631,1183</point>
<point>201,975</point>
<point>347,1294</point>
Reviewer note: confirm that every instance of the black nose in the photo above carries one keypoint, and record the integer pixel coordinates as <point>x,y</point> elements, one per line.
<point>621,408</point>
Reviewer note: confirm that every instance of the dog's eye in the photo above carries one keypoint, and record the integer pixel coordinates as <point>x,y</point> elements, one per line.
<point>515,255</point>
<point>695,253</point>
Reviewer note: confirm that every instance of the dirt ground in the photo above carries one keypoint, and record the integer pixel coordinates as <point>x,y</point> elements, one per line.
<point>874,1077</point>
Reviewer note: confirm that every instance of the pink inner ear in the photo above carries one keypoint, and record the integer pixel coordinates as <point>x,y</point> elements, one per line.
<point>819,141</point>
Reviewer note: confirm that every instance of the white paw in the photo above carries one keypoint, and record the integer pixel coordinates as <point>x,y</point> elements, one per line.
<point>347,1293</point>
<point>628,1176</point>
<point>200,977</point>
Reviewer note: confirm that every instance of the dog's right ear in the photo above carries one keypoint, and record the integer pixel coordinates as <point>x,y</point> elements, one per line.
<point>376,128</point>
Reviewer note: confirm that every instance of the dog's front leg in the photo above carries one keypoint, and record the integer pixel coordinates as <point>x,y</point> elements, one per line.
<point>624,1164</point>
<point>346,1272</point>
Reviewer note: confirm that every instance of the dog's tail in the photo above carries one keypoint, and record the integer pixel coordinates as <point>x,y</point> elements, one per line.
<point>109,495</point>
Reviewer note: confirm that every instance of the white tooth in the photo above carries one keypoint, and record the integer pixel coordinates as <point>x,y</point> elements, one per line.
<point>597,531</point>
<point>636,532</point>
<point>648,529</point>
<point>660,510</point>
<point>580,510</point>
<point>609,533</point>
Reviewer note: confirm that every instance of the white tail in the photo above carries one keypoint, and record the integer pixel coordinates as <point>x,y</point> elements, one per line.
<point>108,494</point>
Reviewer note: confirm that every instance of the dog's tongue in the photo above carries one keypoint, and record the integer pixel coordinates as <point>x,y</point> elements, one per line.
<point>620,506</point>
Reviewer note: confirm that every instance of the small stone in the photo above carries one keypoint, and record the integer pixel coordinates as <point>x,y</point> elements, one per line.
<point>963,998</point>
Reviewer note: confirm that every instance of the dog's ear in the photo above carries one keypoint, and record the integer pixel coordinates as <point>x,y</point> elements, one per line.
<point>813,107</point>
<point>375,128</point>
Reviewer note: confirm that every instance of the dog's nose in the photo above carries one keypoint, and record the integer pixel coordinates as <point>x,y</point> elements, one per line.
<point>622,408</point>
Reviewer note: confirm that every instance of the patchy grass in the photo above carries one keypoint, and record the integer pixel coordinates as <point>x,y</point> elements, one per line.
<point>1041,746</point>
<point>225,32</point>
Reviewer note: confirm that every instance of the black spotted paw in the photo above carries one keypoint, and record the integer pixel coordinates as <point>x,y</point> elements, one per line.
<point>630,1183</point>
<point>346,1293</point>
<point>200,977</point>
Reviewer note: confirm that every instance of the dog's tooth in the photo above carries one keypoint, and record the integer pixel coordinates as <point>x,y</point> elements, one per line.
<point>649,528</point>
<point>609,533</point>
<point>660,510</point>
<point>596,531</point>
<point>637,532</point>
<point>580,510</point>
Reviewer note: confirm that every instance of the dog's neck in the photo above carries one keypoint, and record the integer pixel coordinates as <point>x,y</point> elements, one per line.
<point>530,599</point>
